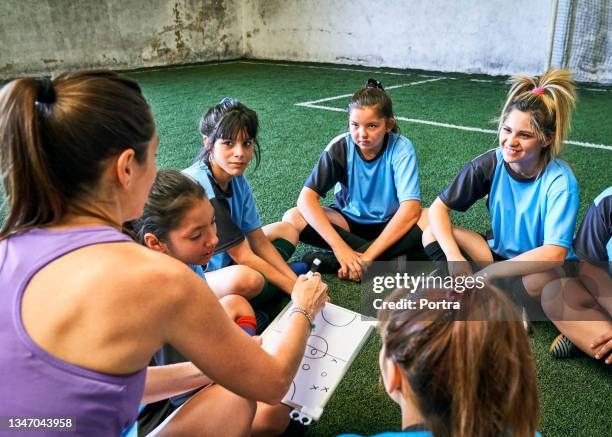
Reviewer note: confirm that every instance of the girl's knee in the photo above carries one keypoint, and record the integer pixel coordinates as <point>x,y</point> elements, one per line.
<point>535,283</point>
<point>248,282</point>
<point>284,230</point>
<point>551,299</point>
<point>294,217</point>
<point>270,419</point>
<point>236,306</point>
<point>288,232</point>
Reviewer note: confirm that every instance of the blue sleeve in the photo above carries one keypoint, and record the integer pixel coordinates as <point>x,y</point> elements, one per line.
<point>198,270</point>
<point>250,215</point>
<point>228,232</point>
<point>406,172</point>
<point>561,215</point>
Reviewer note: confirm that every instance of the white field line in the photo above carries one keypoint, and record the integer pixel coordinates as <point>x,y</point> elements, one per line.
<point>314,105</point>
<point>327,99</point>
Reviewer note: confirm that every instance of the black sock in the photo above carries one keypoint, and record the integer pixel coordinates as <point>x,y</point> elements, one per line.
<point>410,245</point>
<point>312,237</point>
<point>435,252</point>
<point>284,247</point>
<point>353,241</point>
<point>520,295</point>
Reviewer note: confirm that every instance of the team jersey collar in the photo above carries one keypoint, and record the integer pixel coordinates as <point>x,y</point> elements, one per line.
<point>517,177</point>
<point>380,152</point>
<point>226,193</point>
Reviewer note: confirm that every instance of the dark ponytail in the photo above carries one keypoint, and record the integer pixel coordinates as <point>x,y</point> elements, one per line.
<point>172,195</point>
<point>57,135</point>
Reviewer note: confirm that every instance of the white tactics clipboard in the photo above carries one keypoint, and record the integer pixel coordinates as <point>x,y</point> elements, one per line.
<point>338,336</point>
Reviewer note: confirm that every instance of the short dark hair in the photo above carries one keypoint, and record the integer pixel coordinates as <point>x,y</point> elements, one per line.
<point>228,119</point>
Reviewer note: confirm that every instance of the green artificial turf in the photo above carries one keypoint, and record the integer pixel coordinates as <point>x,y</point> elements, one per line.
<point>575,393</point>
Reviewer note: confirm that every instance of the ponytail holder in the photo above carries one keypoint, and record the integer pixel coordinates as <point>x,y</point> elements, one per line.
<point>538,90</point>
<point>373,83</point>
<point>226,100</point>
<point>45,94</point>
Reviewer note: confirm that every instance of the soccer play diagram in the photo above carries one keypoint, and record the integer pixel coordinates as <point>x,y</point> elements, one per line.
<point>333,344</point>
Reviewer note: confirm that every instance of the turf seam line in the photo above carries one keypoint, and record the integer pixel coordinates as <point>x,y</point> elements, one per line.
<point>321,67</point>
<point>183,67</point>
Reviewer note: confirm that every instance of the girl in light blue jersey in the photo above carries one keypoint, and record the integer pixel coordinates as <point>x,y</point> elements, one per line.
<point>376,214</point>
<point>229,134</point>
<point>179,221</point>
<point>532,195</point>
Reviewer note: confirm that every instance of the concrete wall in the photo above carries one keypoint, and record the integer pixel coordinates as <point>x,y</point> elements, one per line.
<point>473,36</point>
<point>492,36</point>
<point>39,36</point>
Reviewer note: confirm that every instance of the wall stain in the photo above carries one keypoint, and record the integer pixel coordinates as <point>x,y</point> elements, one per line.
<point>197,28</point>
<point>8,68</point>
<point>367,60</point>
<point>178,22</point>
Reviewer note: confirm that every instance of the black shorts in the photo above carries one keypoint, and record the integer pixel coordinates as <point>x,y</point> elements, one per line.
<point>367,231</point>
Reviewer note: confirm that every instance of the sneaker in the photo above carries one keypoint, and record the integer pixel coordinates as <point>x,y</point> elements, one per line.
<point>263,320</point>
<point>299,268</point>
<point>329,263</point>
<point>561,347</point>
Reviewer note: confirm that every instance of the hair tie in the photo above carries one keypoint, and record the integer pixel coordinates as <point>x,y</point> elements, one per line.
<point>226,100</point>
<point>373,83</point>
<point>538,90</point>
<point>46,91</point>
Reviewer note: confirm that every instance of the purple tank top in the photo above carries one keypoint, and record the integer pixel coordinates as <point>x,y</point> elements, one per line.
<point>33,383</point>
